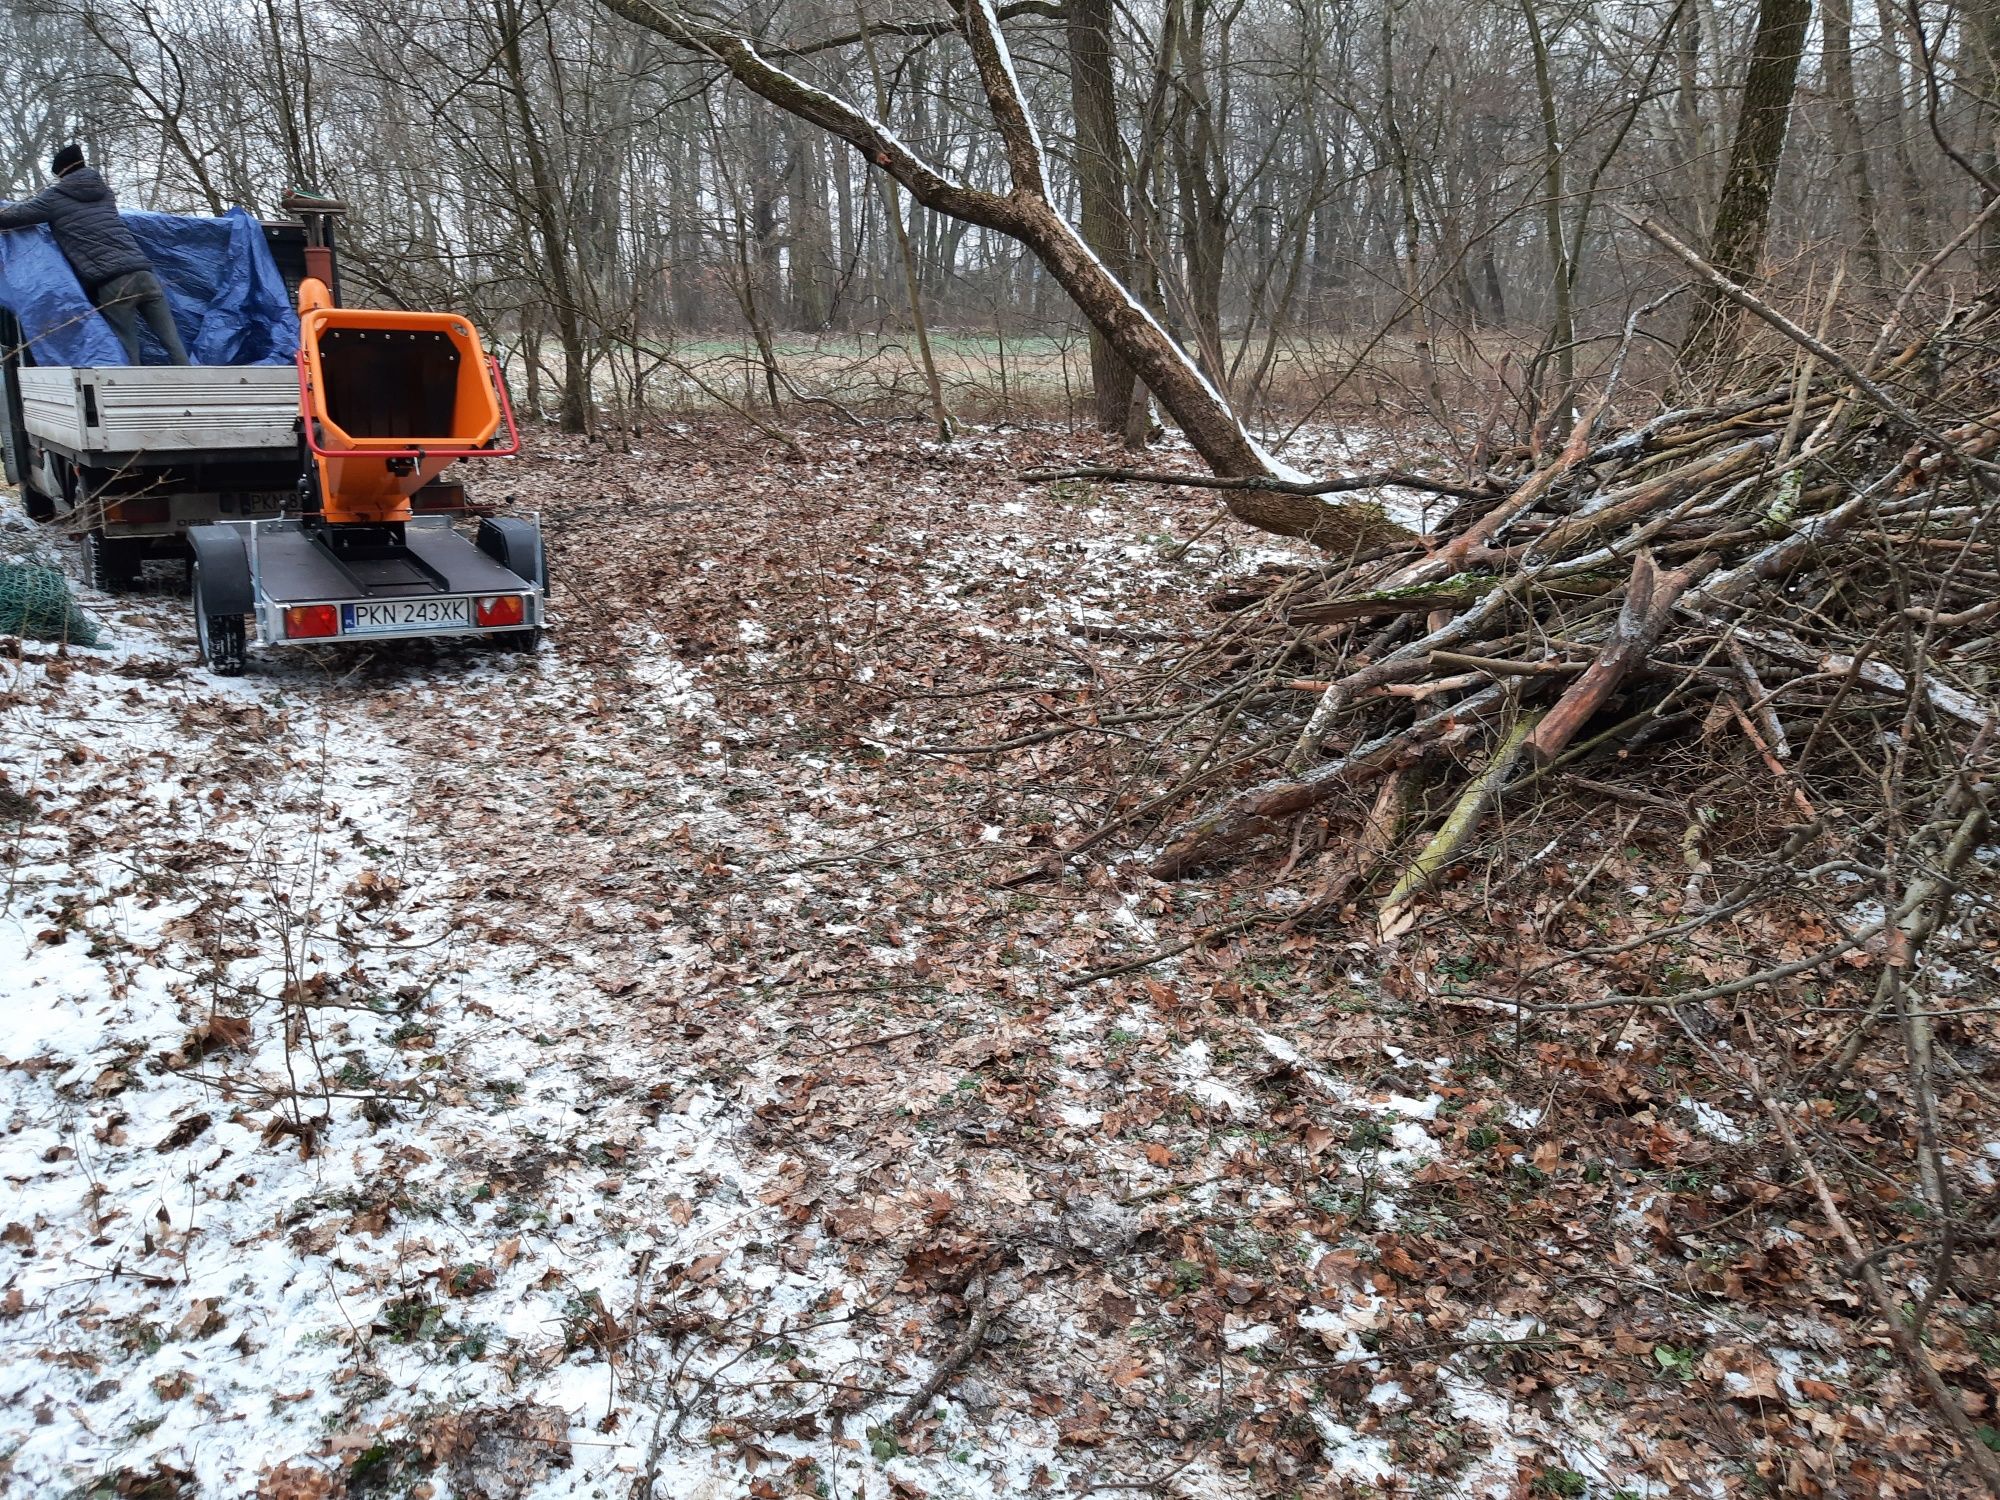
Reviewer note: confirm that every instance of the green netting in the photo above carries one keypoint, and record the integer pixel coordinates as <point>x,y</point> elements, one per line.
<point>35,602</point>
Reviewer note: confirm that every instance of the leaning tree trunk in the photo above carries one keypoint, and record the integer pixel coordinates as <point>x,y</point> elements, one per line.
<point>1743,213</point>
<point>1287,506</point>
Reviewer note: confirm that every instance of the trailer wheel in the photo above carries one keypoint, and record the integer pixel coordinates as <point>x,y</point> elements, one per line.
<point>110,565</point>
<point>517,545</point>
<point>38,506</point>
<point>517,640</point>
<point>223,643</point>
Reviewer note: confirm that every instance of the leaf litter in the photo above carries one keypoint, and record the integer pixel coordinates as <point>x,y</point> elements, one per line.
<point>644,1067</point>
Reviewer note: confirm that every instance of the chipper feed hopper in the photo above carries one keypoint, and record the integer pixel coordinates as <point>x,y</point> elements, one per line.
<point>387,402</point>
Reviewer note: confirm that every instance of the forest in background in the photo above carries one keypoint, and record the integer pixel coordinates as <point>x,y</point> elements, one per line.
<point>1414,203</point>
<point>1482,985</point>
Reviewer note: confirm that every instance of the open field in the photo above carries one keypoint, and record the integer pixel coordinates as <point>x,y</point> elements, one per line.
<point>990,377</point>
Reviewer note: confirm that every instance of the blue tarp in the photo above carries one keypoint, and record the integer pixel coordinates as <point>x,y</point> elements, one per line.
<point>225,291</point>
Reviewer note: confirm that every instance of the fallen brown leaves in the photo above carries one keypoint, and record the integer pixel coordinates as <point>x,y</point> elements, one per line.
<point>1290,1207</point>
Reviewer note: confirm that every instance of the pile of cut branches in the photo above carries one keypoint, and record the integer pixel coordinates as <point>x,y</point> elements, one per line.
<point>1807,570</point>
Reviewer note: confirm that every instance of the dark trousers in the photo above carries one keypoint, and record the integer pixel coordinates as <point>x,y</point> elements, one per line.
<point>124,300</point>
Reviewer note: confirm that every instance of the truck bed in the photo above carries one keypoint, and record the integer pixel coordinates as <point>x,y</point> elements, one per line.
<point>118,411</point>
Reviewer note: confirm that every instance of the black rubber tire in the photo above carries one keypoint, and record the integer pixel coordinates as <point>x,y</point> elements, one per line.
<point>224,643</point>
<point>517,640</point>
<point>38,506</point>
<point>110,565</point>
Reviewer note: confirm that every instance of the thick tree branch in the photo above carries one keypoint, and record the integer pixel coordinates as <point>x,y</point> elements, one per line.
<point>933,27</point>
<point>1025,213</point>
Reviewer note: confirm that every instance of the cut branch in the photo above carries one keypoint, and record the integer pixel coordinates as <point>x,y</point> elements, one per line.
<point>1649,605</point>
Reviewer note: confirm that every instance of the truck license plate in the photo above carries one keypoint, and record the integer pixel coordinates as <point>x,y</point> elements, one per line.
<point>406,614</point>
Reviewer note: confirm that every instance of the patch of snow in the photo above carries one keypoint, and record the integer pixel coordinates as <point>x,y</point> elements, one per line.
<point>1714,1123</point>
<point>1197,1080</point>
<point>1350,1456</point>
<point>1521,1117</point>
<point>1238,1335</point>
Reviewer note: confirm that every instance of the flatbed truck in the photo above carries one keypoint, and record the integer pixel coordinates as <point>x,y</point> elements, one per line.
<point>308,498</point>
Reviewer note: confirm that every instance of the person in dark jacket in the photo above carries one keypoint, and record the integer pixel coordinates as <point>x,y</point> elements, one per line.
<point>80,207</point>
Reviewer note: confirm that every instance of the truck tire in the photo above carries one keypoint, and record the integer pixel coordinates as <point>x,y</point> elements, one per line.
<point>224,645</point>
<point>110,564</point>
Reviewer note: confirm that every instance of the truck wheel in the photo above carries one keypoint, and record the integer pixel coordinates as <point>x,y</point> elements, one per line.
<point>110,565</point>
<point>223,643</point>
<point>38,506</point>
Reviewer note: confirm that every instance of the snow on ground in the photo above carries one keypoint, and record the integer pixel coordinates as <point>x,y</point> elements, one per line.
<point>297,1158</point>
<point>617,1071</point>
<point>234,978</point>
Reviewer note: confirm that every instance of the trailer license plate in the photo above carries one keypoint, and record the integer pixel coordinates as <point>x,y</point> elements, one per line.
<point>407,614</point>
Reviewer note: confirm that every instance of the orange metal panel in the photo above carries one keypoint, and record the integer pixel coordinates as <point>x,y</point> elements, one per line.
<point>371,478</point>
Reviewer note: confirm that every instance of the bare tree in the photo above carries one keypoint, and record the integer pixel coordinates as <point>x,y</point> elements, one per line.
<point>1025,212</point>
<point>1743,213</point>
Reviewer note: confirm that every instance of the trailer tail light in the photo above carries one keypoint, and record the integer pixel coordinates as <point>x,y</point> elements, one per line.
<point>304,621</point>
<point>499,609</point>
<point>138,512</point>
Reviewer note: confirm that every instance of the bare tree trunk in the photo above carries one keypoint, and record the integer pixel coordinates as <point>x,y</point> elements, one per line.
<point>1907,127</point>
<point>1837,23</point>
<point>1982,62</point>
<point>892,205</point>
<point>1204,218</point>
<point>1562,328</point>
<point>1100,181</point>
<point>1743,213</point>
<point>811,234</point>
<point>1412,231</point>
<point>847,238</point>
<point>1687,108</point>
<point>574,402</point>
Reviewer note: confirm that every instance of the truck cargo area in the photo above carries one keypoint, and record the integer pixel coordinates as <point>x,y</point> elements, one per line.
<point>139,411</point>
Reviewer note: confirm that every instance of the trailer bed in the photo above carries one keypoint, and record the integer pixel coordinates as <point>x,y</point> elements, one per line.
<point>97,414</point>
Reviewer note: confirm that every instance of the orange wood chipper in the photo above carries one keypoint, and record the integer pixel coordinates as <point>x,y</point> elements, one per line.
<point>387,402</point>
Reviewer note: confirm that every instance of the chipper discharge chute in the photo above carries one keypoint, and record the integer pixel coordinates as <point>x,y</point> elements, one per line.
<point>387,402</point>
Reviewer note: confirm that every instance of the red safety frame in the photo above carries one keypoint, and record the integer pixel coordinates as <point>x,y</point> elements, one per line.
<point>506,415</point>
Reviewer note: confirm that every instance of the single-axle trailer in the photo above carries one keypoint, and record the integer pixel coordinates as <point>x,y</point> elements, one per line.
<point>304,583</point>
<point>309,498</point>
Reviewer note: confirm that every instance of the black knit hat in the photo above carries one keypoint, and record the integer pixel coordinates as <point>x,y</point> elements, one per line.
<point>67,160</point>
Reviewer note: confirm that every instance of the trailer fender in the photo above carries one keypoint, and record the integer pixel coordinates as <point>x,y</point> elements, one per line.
<point>225,569</point>
<point>516,544</point>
